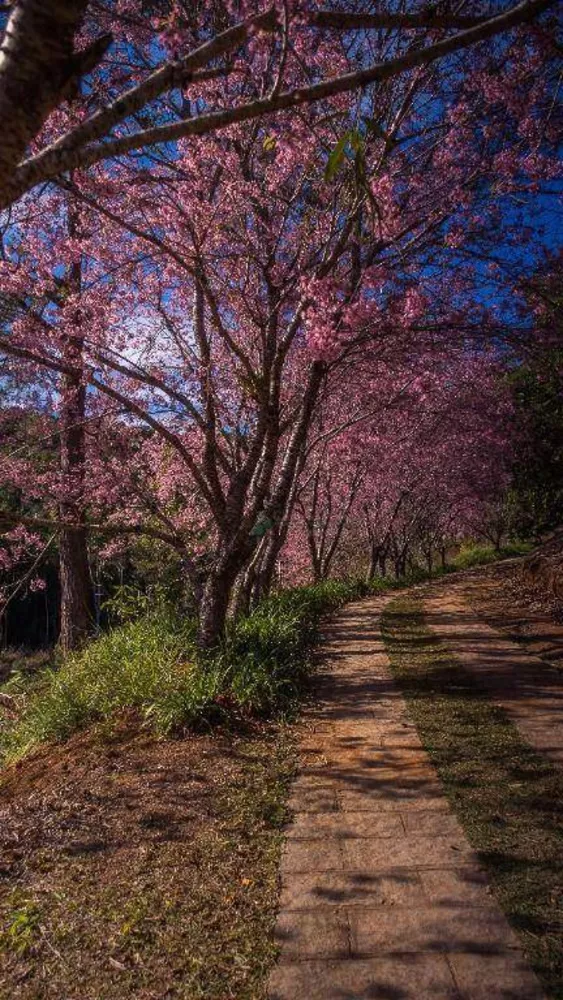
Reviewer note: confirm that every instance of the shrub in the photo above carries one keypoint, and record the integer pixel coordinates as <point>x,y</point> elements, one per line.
<point>149,664</point>
<point>479,555</point>
<point>265,656</point>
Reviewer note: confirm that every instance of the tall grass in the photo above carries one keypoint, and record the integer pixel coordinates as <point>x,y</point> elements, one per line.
<point>149,664</point>
<point>480,555</point>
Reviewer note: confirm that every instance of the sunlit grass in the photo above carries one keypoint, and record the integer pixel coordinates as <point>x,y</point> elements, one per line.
<point>150,665</point>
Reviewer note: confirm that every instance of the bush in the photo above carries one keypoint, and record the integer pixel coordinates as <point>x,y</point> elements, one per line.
<point>149,665</point>
<point>480,555</point>
<point>265,657</point>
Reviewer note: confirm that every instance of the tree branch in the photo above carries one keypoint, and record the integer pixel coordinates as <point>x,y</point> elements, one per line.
<point>49,164</point>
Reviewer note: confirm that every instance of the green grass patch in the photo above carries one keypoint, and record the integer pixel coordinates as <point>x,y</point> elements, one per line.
<point>481,555</point>
<point>507,796</point>
<point>149,664</point>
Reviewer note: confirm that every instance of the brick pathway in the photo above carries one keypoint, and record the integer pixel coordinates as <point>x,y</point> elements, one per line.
<point>529,689</point>
<point>382,897</point>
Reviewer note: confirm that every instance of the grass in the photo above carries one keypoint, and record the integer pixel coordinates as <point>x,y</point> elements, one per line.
<point>149,665</point>
<point>508,797</point>
<point>481,555</point>
<point>470,555</point>
<point>135,866</point>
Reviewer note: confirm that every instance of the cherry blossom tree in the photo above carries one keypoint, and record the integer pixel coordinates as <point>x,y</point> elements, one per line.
<point>228,285</point>
<point>421,475</point>
<point>67,102</point>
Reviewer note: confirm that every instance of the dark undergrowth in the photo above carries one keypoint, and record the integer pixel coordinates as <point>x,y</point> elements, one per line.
<point>508,797</point>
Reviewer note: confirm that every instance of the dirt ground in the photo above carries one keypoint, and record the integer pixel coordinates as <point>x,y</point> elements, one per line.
<point>134,867</point>
<point>503,596</point>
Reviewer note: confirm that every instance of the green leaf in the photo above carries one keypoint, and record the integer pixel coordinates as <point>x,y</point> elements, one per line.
<point>262,525</point>
<point>352,140</point>
<point>336,157</point>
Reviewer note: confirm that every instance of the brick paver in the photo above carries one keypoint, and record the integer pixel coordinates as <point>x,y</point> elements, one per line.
<point>382,896</point>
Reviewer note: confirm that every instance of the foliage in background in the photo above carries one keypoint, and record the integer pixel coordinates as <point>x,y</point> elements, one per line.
<point>480,555</point>
<point>536,385</point>
<point>537,388</point>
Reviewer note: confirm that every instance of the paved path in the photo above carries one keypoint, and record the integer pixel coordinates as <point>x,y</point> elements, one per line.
<point>382,896</point>
<point>529,689</point>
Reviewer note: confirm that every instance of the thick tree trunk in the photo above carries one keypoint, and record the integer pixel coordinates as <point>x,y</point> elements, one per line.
<point>213,610</point>
<point>77,605</point>
<point>37,67</point>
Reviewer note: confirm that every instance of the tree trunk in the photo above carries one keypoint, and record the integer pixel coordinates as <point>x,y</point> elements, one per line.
<point>267,564</point>
<point>237,547</point>
<point>373,562</point>
<point>78,613</point>
<point>401,565</point>
<point>213,610</point>
<point>240,600</point>
<point>77,606</point>
<point>36,69</point>
<point>78,609</point>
